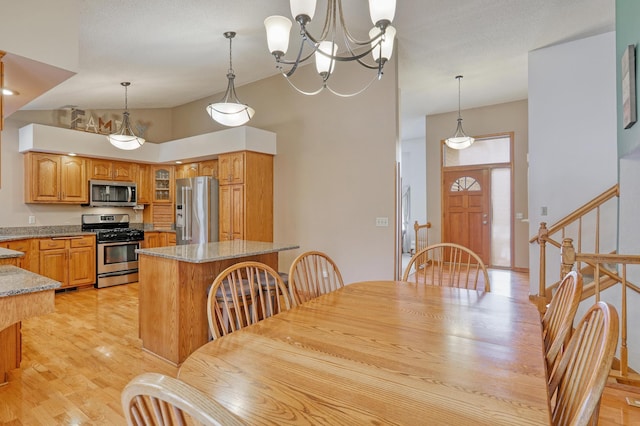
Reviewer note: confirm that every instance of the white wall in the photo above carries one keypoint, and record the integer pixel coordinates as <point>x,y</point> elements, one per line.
<point>572,134</point>
<point>44,31</point>
<point>414,175</point>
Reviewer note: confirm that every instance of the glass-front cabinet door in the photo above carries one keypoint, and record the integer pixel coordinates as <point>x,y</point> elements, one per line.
<point>163,184</point>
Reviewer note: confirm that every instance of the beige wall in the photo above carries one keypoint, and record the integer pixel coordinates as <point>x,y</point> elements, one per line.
<point>334,168</point>
<point>508,117</point>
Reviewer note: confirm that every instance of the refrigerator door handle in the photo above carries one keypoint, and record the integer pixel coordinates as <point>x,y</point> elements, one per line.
<point>188,200</point>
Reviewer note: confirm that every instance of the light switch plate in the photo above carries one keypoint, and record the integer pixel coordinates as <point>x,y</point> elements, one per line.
<point>382,221</point>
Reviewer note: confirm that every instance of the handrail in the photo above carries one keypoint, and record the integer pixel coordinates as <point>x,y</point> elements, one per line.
<point>544,236</point>
<point>614,191</point>
<point>422,235</point>
<point>595,260</point>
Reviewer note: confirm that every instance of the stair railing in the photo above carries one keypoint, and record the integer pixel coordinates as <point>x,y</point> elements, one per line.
<point>558,232</point>
<point>609,270</point>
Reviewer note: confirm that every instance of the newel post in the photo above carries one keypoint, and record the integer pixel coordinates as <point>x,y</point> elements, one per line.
<point>543,232</point>
<point>568,257</point>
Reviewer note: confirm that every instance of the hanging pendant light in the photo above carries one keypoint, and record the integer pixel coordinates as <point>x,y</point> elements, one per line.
<point>124,138</point>
<point>229,111</point>
<point>459,140</point>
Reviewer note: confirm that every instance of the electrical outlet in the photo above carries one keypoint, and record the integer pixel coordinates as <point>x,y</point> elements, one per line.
<point>382,221</point>
<point>32,220</point>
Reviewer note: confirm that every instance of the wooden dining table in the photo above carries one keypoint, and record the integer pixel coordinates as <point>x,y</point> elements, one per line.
<point>383,352</point>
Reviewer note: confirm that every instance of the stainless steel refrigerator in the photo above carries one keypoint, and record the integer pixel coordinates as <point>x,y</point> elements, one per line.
<point>196,210</point>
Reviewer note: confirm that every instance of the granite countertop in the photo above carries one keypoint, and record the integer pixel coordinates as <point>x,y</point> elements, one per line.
<point>43,235</point>
<point>15,281</point>
<point>211,252</point>
<point>9,254</point>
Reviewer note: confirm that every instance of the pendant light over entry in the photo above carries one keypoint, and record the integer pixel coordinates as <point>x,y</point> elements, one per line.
<point>459,140</point>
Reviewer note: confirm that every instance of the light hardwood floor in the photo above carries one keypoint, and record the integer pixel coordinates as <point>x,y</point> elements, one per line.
<point>77,360</point>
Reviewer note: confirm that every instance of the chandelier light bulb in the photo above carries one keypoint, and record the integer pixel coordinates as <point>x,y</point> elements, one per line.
<point>323,49</point>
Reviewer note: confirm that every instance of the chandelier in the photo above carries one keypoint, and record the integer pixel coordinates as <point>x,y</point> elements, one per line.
<point>229,111</point>
<point>324,48</point>
<point>459,140</point>
<point>124,138</point>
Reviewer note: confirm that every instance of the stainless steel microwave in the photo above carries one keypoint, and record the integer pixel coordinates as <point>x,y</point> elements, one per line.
<point>104,193</point>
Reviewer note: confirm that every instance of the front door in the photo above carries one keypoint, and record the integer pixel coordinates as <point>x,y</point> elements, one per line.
<point>466,210</point>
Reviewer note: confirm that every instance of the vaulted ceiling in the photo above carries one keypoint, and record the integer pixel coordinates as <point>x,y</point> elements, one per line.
<point>174,52</point>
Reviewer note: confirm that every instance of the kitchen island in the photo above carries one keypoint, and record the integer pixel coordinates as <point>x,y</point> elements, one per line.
<point>9,257</point>
<point>173,291</point>
<point>23,294</point>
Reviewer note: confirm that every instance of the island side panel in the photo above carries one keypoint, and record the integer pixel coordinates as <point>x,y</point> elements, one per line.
<point>158,306</point>
<point>173,302</point>
<point>22,306</point>
<point>195,280</point>
<point>11,350</point>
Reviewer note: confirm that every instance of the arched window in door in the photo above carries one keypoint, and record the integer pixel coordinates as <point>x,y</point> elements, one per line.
<point>465,183</point>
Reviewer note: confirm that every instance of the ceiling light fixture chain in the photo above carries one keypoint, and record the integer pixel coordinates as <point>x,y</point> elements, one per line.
<point>124,137</point>
<point>324,48</point>
<point>459,140</point>
<point>229,111</point>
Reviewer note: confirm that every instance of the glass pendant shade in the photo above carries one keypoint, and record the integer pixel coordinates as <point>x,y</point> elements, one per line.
<point>230,114</point>
<point>229,111</point>
<point>278,28</point>
<point>124,137</point>
<point>385,50</point>
<point>303,8</point>
<point>324,64</point>
<point>459,140</point>
<point>382,10</point>
<point>323,49</point>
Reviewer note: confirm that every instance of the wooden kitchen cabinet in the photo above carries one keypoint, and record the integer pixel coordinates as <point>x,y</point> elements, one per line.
<point>30,249</point>
<point>159,239</point>
<point>143,183</point>
<point>245,208</point>
<point>111,170</point>
<point>231,212</point>
<point>69,260</point>
<point>209,168</point>
<point>162,181</point>
<point>231,167</point>
<point>53,178</point>
<point>187,170</point>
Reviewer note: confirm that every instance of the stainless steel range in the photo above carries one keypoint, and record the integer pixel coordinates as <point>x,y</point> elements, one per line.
<point>116,258</point>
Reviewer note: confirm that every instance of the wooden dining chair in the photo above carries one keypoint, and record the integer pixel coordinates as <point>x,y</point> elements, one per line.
<point>244,294</point>
<point>578,381</point>
<point>557,322</point>
<point>448,265</point>
<point>155,399</point>
<point>312,274</point>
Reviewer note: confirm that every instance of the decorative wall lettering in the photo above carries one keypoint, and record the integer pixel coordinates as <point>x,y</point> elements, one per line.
<point>86,121</point>
<point>76,118</point>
